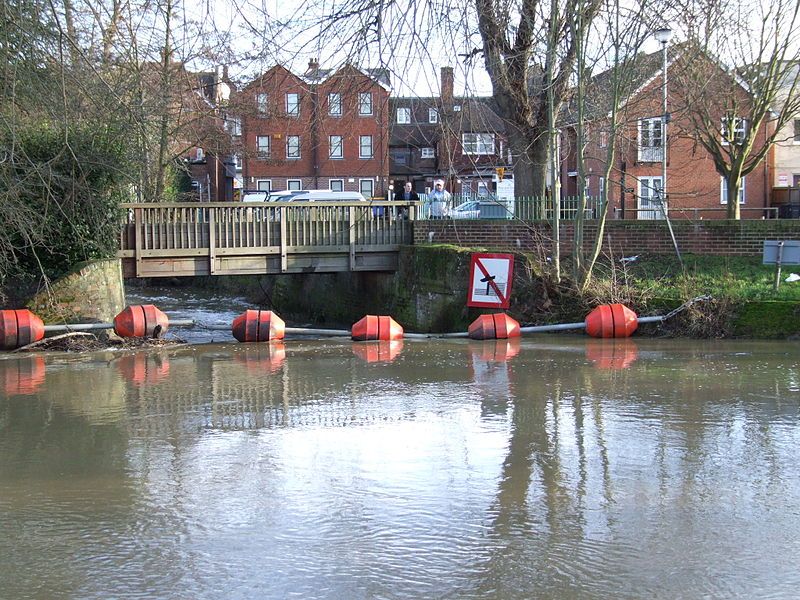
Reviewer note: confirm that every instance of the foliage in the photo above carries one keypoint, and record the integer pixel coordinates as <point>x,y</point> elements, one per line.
<point>60,190</point>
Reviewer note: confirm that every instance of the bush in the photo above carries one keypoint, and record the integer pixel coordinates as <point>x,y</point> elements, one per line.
<point>60,192</point>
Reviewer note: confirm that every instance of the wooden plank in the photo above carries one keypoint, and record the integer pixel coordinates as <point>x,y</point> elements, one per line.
<point>212,239</point>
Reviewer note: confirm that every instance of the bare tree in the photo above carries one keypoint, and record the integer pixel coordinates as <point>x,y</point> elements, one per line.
<point>741,85</point>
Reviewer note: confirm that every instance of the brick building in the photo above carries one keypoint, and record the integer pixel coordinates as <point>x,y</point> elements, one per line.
<point>458,139</point>
<point>322,130</point>
<point>695,190</point>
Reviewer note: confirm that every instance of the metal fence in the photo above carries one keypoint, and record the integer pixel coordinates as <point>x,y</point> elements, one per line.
<point>529,208</point>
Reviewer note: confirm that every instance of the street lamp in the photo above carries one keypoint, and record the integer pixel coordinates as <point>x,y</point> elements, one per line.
<point>663,36</point>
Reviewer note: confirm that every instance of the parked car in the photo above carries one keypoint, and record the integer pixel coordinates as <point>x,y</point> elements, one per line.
<point>466,210</point>
<point>254,195</point>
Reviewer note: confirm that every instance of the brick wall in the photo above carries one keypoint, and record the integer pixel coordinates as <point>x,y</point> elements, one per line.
<point>733,238</point>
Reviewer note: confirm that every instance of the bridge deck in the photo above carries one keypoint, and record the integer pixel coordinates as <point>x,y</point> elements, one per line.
<point>183,239</point>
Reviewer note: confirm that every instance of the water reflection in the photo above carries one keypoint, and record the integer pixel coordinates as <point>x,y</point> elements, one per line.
<point>500,469</point>
<point>378,351</point>
<point>23,376</point>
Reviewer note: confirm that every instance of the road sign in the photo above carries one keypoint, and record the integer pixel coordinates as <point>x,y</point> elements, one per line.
<point>490,278</point>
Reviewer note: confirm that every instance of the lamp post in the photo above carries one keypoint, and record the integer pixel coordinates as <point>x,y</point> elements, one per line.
<point>663,36</point>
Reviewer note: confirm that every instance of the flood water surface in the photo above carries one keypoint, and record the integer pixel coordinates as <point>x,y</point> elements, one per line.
<point>551,467</point>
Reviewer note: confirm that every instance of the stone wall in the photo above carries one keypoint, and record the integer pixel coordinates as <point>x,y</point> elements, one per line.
<point>93,292</point>
<point>731,238</point>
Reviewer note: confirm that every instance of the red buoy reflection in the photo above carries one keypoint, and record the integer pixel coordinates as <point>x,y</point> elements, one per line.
<point>262,358</point>
<point>611,353</point>
<point>23,377</point>
<point>144,368</point>
<point>381,352</point>
<point>496,350</point>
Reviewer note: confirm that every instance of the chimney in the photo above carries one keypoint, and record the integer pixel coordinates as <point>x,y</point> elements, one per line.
<point>313,69</point>
<point>447,87</point>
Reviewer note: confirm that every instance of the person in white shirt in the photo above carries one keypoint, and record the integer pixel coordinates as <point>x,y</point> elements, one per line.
<point>439,200</point>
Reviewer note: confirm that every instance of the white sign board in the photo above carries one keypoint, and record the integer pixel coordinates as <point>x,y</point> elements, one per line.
<point>490,280</point>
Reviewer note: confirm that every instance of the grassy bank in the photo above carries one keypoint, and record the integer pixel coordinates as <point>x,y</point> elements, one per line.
<point>739,296</point>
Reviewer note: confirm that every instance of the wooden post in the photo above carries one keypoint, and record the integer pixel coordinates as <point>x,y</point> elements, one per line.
<point>283,213</point>
<point>351,211</point>
<point>212,238</point>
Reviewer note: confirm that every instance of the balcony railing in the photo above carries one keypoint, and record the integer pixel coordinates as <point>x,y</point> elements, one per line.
<point>651,153</point>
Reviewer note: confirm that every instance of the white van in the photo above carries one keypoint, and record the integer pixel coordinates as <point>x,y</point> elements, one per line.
<point>328,196</point>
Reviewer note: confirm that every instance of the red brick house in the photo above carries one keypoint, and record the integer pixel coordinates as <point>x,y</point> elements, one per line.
<point>695,190</point>
<point>457,139</point>
<point>325,130</point>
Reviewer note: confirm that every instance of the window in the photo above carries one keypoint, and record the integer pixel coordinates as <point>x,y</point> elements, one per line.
<point>234,125</point>
<point>292,146</point>
<point>335,146</point>
<point>366,187</point>
<point>335,104</point>
<point>723,190</point>
<point>294,184</point>
<point>601,184</point>
<point>797,131</point>
<point>264,146</point>
<point>262,103</point>
<point>427,153</point>
<point>337,185</point>
<point>734,129</point>
<point>433,115</point>
<point>651,140</point>
<point>264,185</point>
<point>483,188</point>
<point>404,115</point>
<point>477,143</point>
<point>602,139</point>
<point>365,103</point>
<point>365,146</point>
<point>650,202</point>
<point>293,105</point>
<point>237,162</point>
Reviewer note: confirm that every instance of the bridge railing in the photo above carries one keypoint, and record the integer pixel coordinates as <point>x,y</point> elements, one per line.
<point>213,230</point>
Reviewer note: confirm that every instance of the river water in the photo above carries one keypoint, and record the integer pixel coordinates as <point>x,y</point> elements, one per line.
<point>549,467</point>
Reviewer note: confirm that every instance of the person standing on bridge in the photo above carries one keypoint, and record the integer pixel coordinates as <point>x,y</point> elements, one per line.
<point>440,200</point>
<point>407,195</point>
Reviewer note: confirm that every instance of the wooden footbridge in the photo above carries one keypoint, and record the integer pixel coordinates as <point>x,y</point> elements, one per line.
<point>183,239</point>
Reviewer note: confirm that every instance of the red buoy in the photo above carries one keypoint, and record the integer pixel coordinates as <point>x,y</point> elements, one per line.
<point>373,327</point>
<point>141,320</point>
<point>611,321</point>
<point>258,326</point>
<point>23,377</point>
<point>496,326</point>
<point>380,351</point>
<point>19,328</point>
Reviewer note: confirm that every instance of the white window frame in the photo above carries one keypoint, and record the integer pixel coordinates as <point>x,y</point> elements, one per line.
<point>365,103</point>
<point>263,146</point>
<point>289,154</point>
<point>335,104</point>
<point>602,140</point>
<point>723,191</point>
<point>340,187</point>
<point>477,144</point>
<point>264,185</point>
<point>234,125</point>
<point>427,153</point>
<point>294,184</point>
<point>433,115</point>
<point>740,127</point>
<point>335,147</point>
<point>653,208</point>
<point>403,115</point>
<point>371,182</point>
<point>651,139</point>
<point>361,146</point>
<point>293,104</point>
<point>262,103</point>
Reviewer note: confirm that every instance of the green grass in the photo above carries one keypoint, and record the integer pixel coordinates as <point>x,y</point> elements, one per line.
<point>735,278</point>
